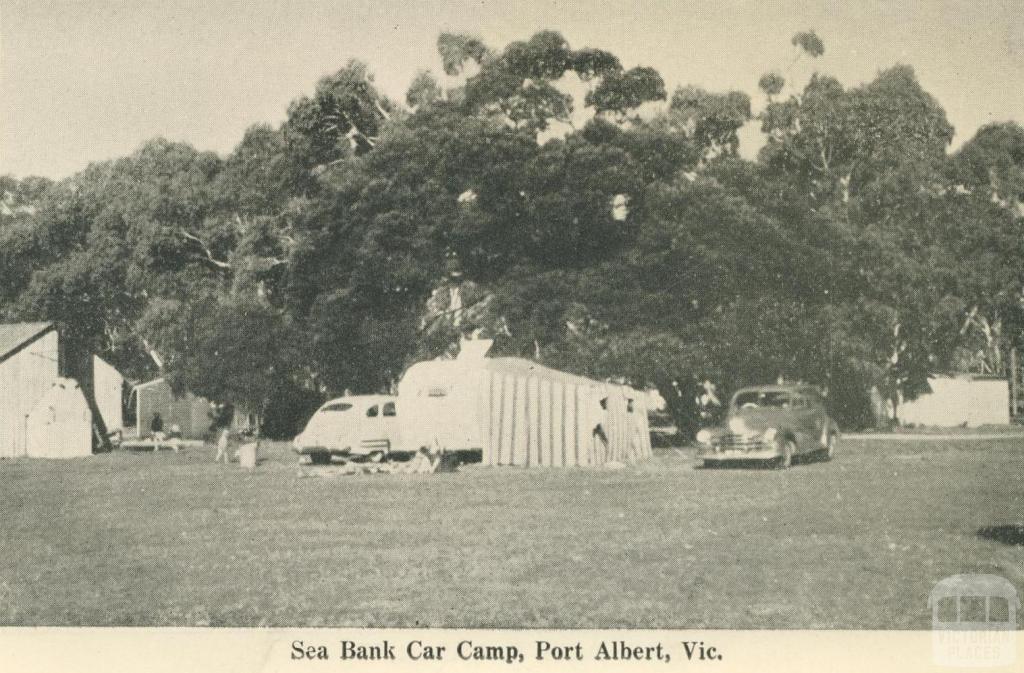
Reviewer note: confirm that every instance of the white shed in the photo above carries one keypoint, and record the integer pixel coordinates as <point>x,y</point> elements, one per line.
<point>108,385</point>
<point>32,362</point>
<point>28,369</point>
<point>60,423</point>
<point>965,399</point>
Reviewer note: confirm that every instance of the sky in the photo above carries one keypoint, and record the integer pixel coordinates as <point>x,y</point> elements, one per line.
<point>88,80</point>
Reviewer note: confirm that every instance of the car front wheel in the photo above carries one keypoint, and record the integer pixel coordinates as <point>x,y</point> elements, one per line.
<point>830,447</point>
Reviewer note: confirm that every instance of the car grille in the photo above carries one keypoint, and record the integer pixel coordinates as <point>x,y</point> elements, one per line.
<point>741,442</point>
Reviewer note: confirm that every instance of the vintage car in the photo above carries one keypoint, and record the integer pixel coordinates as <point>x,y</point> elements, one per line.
<point>772,423</point>
<point>355,427</point>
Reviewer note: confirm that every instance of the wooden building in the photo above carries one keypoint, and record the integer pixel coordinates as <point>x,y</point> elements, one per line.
<point>40,404</point>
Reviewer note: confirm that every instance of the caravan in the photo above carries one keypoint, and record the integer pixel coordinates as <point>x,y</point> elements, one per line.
<point>510,411</point>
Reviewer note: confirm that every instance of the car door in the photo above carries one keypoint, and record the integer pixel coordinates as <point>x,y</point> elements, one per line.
<point>823,422</point>
<point>374,436</point>
<point>806,423</point>
<point>389,423</point>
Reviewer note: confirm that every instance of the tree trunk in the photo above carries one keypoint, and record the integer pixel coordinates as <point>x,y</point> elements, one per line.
<point>76,362</point>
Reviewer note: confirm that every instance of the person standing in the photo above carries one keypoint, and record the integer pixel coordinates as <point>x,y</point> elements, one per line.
<point>708,404</point>
<point>222,446</point>
<point>156,426</point>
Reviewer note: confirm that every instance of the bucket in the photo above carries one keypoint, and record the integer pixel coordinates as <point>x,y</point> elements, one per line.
<point>247,455</point>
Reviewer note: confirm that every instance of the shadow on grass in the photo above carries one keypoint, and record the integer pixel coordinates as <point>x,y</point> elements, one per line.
<point>1011,534</point>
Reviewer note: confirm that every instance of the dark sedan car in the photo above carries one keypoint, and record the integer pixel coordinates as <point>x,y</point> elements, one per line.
<point>772,423</point>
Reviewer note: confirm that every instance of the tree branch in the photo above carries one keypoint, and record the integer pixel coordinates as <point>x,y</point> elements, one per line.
<point>209,254</point>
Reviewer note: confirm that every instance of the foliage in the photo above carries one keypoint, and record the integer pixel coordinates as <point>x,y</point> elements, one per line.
<point>330,252</point>
<point>809,42</point>
<point>771,83</point>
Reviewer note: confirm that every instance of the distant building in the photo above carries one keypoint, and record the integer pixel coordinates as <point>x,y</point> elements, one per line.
<point>968,400</point>
<point>190,414</point>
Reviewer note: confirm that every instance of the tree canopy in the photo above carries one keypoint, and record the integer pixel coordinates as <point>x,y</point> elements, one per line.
<point>361,234</point>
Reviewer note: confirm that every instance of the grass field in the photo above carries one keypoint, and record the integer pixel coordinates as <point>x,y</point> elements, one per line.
<point>143,539</point>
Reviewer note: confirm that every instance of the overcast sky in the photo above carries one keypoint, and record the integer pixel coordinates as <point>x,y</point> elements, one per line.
<point>85,80</point>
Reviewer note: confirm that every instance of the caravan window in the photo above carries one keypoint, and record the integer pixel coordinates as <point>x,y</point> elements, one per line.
<point>389,409</point>
<point>373,411</point>
<point>437,391</point>
<point>629,405</point>
<point>337,406</point>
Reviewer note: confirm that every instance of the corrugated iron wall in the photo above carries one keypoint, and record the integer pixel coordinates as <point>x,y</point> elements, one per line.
<point>530,420</point>
<point>24,379</point>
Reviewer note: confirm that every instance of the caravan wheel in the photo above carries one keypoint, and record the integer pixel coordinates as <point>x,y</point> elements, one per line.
<point>320,458</point>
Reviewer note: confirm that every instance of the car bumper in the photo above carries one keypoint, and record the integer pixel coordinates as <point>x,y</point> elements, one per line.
<point>759,452</point>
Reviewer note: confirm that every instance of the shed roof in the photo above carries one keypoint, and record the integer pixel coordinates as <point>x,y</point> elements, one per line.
<point>15,335</point>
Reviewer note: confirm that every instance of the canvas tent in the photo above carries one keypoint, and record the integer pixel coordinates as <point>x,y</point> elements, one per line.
<point>517,412</point>
<point>59,425</point>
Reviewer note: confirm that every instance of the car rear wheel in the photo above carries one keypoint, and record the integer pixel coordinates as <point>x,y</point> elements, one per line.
<point>786,459</point>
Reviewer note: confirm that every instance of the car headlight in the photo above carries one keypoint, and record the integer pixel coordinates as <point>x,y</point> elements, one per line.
<point>769,435</point>
<point>704,436</point>
<point>737,426</point>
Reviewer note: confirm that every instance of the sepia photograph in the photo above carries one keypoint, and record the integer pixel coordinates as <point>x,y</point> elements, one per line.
<point>543,314</point>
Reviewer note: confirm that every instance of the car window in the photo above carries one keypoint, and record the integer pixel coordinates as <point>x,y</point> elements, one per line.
<point>760,399</point>
<point>373,411</point>
<point>389,409</point>
<point>335,407</point>
<point>799,401</point>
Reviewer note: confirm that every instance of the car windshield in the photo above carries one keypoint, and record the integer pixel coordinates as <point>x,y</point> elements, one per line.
<point>335,406</point>
<point>760,399</point>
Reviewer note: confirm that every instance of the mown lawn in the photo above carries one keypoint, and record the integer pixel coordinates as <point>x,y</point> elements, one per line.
<point>142,539</point>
